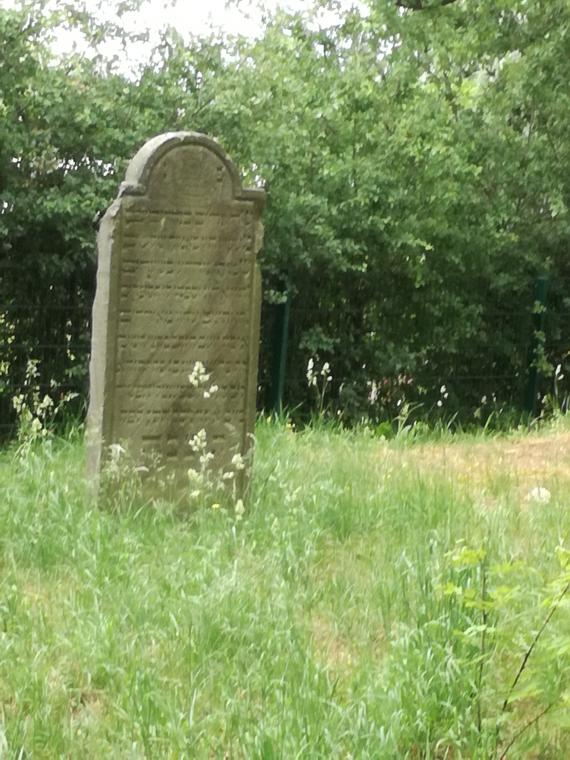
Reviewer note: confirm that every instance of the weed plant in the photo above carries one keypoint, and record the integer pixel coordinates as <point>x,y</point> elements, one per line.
<point>366,606</point>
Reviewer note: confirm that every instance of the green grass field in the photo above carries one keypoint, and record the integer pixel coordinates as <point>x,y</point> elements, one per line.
<point>375,601</point>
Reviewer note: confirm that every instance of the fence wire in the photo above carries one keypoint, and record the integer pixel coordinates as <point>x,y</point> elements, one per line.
<point>55,332</point>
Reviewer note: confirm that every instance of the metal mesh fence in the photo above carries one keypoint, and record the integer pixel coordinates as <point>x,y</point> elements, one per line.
<point>523,366</point>
<point>52,329</point>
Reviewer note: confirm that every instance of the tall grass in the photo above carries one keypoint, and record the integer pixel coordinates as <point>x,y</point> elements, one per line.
<point>367,606</point>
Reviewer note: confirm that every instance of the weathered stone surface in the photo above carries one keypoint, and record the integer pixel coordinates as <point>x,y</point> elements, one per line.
<point>177,283</point>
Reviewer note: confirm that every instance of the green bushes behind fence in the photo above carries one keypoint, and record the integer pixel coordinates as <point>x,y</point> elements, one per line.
<point>416,171</point>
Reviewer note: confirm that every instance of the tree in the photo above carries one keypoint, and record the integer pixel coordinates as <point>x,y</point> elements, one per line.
<point>415,168</point>
<point>69,126</point>
<point>409,200</point>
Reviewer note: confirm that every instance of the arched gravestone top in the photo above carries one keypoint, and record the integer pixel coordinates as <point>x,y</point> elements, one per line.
<point>142,165</point>
<point>177,283</point>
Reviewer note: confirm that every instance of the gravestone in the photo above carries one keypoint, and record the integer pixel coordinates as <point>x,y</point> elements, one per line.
<point>177,283</point>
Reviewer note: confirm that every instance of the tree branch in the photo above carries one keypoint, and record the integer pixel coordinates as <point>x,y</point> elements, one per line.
<point>529,651</point>
<point>420,5</point>
<point>525,728</point>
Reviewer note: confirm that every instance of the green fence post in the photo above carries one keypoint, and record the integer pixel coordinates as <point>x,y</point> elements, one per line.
<point>538,320</point>
<point>279,362</point>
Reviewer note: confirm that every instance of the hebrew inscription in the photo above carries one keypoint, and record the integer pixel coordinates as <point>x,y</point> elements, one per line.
<point>177,283</point>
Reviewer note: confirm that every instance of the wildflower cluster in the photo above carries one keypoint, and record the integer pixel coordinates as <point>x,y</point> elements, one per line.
<point>205,481</point>
<point>121,477</point>
<point>313,374</point>
<point>36,411</point>
<point>560,400</point>
<point>6,339</point>
<point>115,464</point>
<point>391,392</point>
<point>319,380</point>
<point>443,396</point>
<point>199,379</point>
<point>209,484</point>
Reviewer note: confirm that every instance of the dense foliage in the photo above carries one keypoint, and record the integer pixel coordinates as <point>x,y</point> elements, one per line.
<point>415,159</point>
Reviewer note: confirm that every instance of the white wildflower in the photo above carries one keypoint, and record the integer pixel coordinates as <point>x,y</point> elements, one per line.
<point>539,495</point>
<point>198,376</point>
<point>198,442</point>
<point>46,403</point>
<point>211,390</point>
<point>239,509</point>
<point>32,370</point>
<point>238,462</point>
<point>373,394</point>
<point>206,458</point>
<point>18,402</point>
<point>116,451</point>
<point>311,376</point>
<point>36,427</point>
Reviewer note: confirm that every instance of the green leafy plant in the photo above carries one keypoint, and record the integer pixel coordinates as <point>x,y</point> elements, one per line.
<point>479,589</point>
